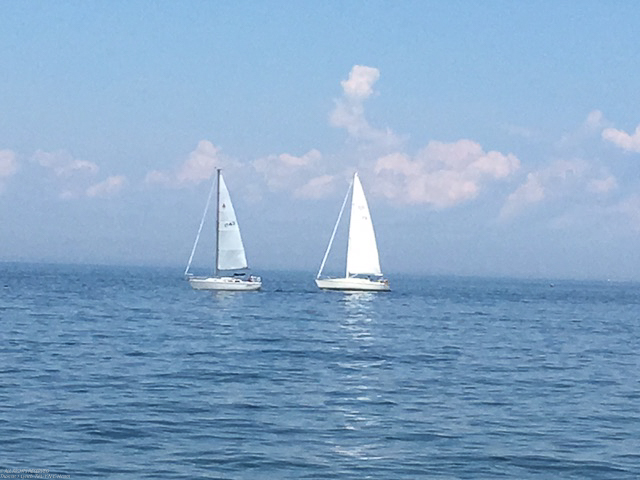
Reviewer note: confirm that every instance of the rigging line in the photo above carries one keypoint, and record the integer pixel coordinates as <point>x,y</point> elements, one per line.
<point>204,215</point>
<point>335,228</point>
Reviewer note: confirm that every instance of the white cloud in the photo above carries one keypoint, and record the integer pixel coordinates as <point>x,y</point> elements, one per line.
<point>73,175</point>
<point>559,178</point>
<point>351,117</point>
<point>63,165</point>
<point>442,174</point>
<point>286,171</point>
<point>630,210</point>
<point>531,192</point>
<point>576,180</point>
<point>519,131</point>
<point>360,83</point>
<point>317,187</point>
<point>349,111</point>
<point>198,167</point>
<point>157,177</point>
<point>579,140</point>
<point>8,163</point>
<point>595,121</point>
<point>621,139</point>
<point>602,185</point>
<point>108,187</point>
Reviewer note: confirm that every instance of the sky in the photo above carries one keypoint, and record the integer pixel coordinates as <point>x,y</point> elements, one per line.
<point>493,138</point>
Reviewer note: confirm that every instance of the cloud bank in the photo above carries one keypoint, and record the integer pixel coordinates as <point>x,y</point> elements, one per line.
<point>539,184</point>
<point>577,178</point>
<point>561,178</point>
<point>441,174</point>
<point>286,171</point>
<point>76,178</point>
<point>63,165</point>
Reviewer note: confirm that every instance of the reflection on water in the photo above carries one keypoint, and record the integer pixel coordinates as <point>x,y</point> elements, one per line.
<point>227,297</point>
<point>235,298</point>
<point>359,372</point>
<point>358,299</point>
<point>231,307</point>
<point>358,315</point>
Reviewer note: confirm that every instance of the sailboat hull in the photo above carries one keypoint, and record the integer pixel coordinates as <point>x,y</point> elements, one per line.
<point>353,284</point>
<point>224,283</point>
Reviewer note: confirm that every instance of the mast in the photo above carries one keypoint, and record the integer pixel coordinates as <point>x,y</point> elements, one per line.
<point>217,222</point>
<point>351,187</point>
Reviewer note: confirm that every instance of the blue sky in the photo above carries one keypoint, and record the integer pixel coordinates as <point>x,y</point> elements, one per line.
<point>492,138</point>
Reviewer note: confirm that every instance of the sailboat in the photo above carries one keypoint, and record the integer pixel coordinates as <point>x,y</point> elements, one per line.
<point>230,255</point>
<point>363,263</point>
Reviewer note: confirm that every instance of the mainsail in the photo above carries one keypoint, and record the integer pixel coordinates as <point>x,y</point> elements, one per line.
<point>230,254</point>
<point>362,251</point>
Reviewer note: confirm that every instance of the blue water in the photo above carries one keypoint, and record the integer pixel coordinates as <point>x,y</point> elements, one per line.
<point>128,373</point>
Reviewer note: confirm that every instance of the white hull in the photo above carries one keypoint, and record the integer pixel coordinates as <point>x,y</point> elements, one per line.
<point>353,284</point>
<point>224,283</point>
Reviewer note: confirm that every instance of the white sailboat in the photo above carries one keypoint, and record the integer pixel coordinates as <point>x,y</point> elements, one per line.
<point>230,255</point>
<point>363,263</point>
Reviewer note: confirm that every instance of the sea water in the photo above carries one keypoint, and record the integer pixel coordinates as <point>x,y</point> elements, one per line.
<point>128,373</point>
